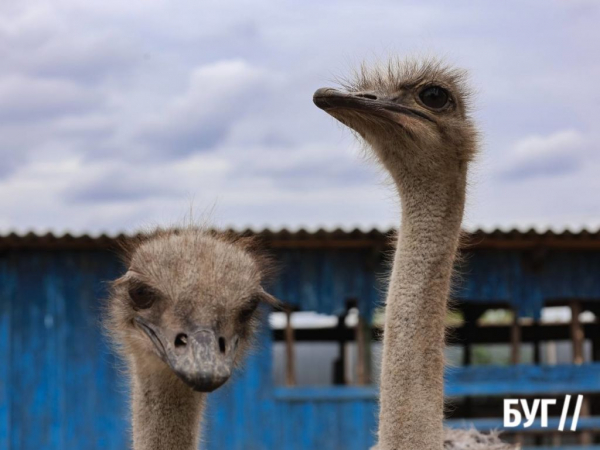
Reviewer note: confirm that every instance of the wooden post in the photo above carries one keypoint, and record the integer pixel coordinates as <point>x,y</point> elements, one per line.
<point>363,345</point>
<point>470,325</point>
<point>515,340</point>
<point>551,353</point>
<point>537,360</point>
<point>595,338</point>
<point>585,438</point>
<point>537,357</point>
<point>290,371</point>
<point>470,317</point>
<point>578,339</point>
<point>519,440</point>
<point>339,365</point>
<point>556,440</point>
<point>515,355</point>
<point>577,332</point>
<point>596,342</point>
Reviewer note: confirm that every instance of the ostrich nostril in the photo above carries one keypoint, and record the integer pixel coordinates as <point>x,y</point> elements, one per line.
<point>181,340</point>
<point>365,95</point>
<point>222,347</point>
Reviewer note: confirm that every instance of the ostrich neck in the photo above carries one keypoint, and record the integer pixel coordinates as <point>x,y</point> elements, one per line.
<point>412,403</point>
<point>166,413</point>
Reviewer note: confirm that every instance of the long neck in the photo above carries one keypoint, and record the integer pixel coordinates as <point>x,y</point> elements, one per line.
<point>412,398</point>
<point>166,413</point>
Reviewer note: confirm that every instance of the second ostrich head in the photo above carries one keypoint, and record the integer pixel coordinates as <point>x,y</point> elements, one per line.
<point>420,107</point>
<point>188,302</point>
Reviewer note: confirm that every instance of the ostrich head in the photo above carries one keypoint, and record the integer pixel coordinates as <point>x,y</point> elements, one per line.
<point>413,114</point>
<point>188,302</point>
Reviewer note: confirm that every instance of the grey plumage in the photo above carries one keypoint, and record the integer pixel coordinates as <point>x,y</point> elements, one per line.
<point>414,119</point>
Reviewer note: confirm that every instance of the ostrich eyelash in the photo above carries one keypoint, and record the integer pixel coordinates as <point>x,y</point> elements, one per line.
<point>246,312</point>
<point>142,295</point>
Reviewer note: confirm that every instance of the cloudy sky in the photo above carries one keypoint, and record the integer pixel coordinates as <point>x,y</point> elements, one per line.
<point>116,115</point>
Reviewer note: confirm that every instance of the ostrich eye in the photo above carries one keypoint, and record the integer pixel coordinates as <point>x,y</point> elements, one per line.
<point>248,309</point>
<point>143,296</point>
<point>434,97</point>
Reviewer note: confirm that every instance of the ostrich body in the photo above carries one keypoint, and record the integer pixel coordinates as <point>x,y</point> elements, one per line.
<point>183,316</point>
<point>415,119</point>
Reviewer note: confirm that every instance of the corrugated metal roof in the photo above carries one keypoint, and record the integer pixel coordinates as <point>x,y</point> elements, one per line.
<point>323,238</point>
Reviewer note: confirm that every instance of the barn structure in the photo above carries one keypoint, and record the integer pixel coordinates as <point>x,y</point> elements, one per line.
<point>60,386</point>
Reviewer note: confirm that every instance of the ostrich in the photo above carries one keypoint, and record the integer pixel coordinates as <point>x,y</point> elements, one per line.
<point>183,316</point>
<point>414,117</point>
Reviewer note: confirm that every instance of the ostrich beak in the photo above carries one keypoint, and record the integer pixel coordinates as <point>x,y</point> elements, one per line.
<point>203,361</point>
<point>331,100</point>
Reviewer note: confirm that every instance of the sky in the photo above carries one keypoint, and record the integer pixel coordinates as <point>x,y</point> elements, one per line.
<point>116,116</point>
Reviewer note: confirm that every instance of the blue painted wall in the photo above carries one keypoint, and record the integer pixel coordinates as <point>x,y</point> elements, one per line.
<point>59,381</point>
<point>59,385</point>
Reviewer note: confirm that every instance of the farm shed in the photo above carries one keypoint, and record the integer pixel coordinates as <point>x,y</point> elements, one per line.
<point>60,386</point>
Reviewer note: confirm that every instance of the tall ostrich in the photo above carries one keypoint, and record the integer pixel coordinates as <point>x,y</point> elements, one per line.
<point>183,316</point>
<point>414,116</point>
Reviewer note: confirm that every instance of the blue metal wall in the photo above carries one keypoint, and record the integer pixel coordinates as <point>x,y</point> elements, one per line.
<point>252,414</point>
<point>59,387</point>
<point>59,381</point>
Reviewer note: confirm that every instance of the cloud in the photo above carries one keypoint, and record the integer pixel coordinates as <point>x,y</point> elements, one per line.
<point>44,41</point>
<point>31,99</point>
<point>559,153</point>
<point>131,182</point>
<point>217,96</point>
<point>119,114</point>
<point>121,187</point>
